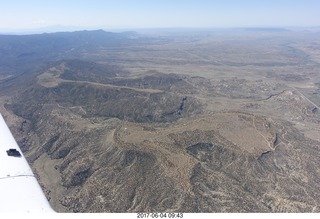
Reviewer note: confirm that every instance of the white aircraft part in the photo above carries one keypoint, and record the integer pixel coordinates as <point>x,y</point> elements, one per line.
<point>19,189</point>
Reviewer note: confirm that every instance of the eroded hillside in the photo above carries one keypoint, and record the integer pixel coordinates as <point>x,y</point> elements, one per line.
<point>108,136</point>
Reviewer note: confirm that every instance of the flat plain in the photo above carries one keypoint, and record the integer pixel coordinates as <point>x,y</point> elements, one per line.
<point>168,121</point>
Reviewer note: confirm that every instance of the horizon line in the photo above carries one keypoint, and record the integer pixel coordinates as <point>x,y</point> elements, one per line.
<point>62,28</point>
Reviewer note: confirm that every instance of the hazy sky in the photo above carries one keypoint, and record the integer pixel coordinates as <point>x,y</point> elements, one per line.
<point>21,14</point>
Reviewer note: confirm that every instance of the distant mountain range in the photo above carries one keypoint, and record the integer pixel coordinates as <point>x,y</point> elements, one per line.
<point>20,53</point>
<point>174,122</point>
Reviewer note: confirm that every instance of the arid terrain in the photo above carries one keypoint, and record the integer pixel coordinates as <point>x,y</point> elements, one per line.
<point>179,121</point>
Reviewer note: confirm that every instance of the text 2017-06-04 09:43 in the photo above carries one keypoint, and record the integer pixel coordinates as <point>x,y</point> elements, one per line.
<point>159,215</point>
